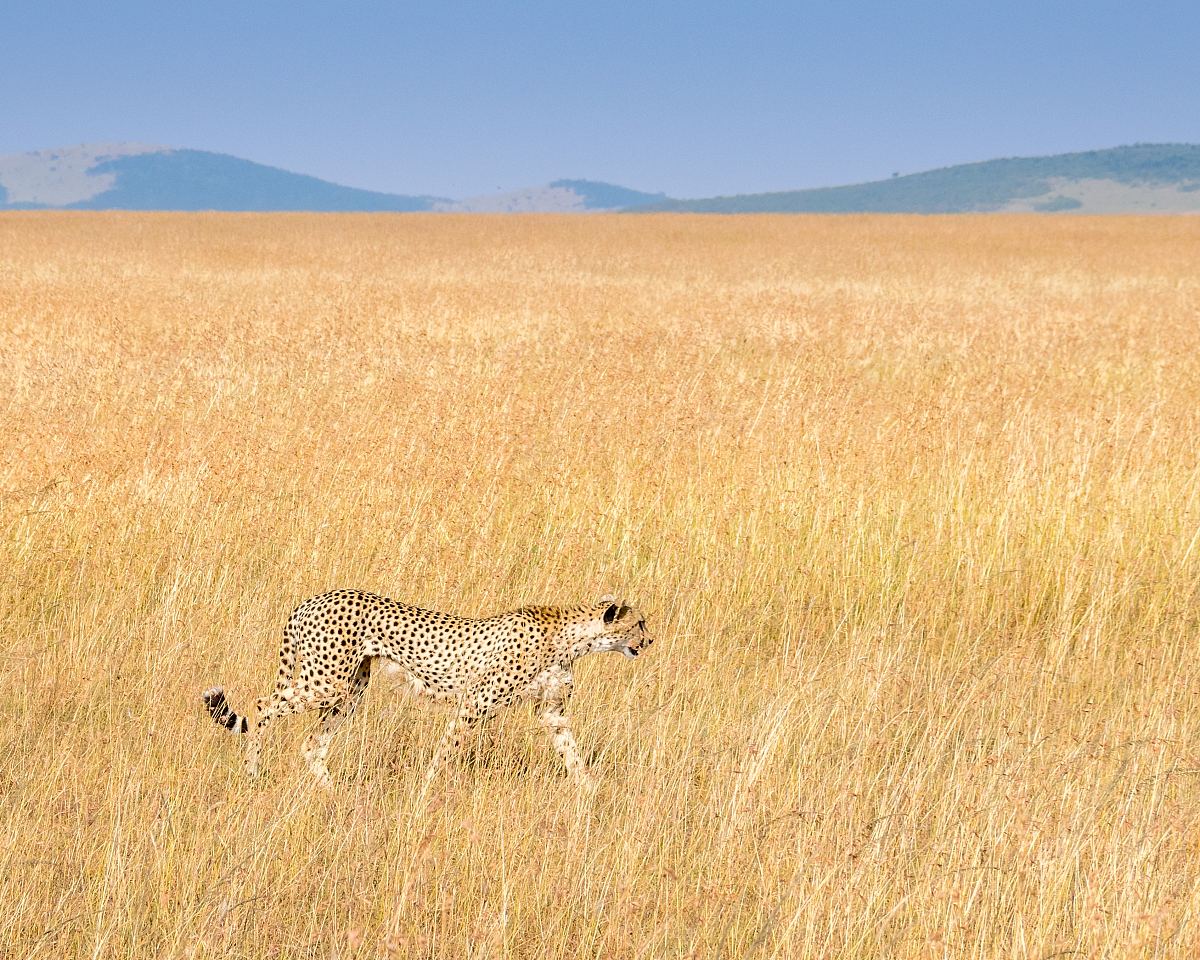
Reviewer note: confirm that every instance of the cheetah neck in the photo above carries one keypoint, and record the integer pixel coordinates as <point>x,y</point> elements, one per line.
<point>570,632</point>
<point>572,641</point>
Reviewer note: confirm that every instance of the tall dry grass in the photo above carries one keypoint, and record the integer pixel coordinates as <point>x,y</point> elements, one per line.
<point>913,505</point>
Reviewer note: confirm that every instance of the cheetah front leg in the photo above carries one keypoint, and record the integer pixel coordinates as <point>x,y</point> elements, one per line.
<point>450,744</point>
<point>552,717</point>
<point>479,701</point>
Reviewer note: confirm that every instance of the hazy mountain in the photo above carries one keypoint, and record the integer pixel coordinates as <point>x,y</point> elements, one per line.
<point>1144,178</point>
<point>126,176</point>
<point>137,177</point>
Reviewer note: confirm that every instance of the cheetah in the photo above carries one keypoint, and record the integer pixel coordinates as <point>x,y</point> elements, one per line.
<point>332,641</point>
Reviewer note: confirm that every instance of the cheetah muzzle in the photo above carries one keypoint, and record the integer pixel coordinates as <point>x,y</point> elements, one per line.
<point>331,642</point>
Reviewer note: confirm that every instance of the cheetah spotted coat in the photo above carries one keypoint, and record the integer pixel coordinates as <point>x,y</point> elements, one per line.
<point>331,641</point>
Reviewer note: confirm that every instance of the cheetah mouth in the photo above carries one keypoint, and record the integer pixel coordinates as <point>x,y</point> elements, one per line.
<point>630,652</point>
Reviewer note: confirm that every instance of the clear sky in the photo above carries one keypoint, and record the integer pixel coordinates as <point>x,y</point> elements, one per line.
<point>693,99</point>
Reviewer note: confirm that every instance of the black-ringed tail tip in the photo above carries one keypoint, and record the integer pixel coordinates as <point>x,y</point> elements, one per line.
<point>219,709</point>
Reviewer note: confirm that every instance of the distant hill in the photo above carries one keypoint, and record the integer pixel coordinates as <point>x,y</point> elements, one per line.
<point>198,180</point>
<point>137,177</point>
<point>1143,178</point>
<point>128,176</point>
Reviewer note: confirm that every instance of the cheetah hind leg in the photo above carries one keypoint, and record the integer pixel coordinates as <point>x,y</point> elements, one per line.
<point>333,715</point>
<point>284,701</point>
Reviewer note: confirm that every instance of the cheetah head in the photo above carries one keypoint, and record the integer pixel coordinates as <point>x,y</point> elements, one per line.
<point>622,628</point>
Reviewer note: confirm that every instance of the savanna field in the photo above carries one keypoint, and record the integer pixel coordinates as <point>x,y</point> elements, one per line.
<point>912,506</point>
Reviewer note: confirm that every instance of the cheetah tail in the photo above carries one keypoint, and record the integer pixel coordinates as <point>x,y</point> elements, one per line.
<point>218,708</point>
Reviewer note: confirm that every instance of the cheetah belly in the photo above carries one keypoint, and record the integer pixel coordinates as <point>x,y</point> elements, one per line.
<point>400,679</point>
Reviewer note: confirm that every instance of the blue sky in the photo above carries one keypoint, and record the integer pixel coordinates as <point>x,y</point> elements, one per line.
<point>693,99</point>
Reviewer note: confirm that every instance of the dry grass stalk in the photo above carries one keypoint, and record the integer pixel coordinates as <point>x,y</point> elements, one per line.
<point>913,505</point>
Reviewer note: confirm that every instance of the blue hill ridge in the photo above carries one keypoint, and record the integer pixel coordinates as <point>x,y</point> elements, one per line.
<point>199,180</point>
<point>975,187</point>
<point>123,176</point>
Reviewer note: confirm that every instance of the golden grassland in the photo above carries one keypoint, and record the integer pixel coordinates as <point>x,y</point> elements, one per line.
<point>912,505</point>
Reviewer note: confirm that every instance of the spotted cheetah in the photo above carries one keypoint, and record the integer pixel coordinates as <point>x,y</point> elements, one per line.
<point>331,641</point>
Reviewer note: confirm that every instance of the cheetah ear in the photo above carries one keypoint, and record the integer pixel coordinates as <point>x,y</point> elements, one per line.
<point>607,598</point>
<point>610,614</point>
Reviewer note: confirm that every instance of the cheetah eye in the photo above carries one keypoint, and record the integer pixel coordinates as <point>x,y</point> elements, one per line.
<point>610,614</point>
